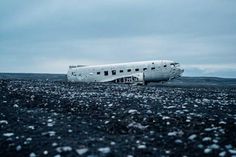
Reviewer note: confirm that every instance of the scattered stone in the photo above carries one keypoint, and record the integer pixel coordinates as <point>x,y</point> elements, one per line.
<point>50,133</point>
<point>18,148</point>
<point>214,146</point>
<point>3,122</point>
<point>222,154</point>
<point>82,151</point>
<point>63,149</point>
<point>45,152</point>
<point>192,137</point>
<point>50,124</point>
<point>132,111</point>
<point>232,151</point>
<point>142,147</point>
<point>174,133</point>
<point>137,125</point>
<point>178,141</point>
<point>134,120</point>
<point>207,150</point>
<point>206,139</point>
<point>200,146</point>
<point>31,127</point>
<point>165,117</point>
<point>8,134</point>
<point>104,150</point>
<point>54,144</point>
<point>32,154</point>
<point>15,105</point>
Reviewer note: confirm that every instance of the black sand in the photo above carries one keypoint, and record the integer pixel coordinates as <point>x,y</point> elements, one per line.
<point>56,118</point>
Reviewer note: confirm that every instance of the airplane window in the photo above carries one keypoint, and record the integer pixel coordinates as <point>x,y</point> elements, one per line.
<point>106,73</point>
<point>121,71</point>
<point>136,69</point>
<point>153,68</point>
<point>113,72</point>
<point>129,70</point>
<point>144,69</point>
<point>98,73</point>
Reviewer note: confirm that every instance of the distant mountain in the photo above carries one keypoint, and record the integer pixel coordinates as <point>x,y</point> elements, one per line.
<point>33,76</point>
<point>182,81</point>
<point>201,81</point>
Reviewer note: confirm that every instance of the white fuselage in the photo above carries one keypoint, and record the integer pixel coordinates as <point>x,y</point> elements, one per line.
<point>147,71</point>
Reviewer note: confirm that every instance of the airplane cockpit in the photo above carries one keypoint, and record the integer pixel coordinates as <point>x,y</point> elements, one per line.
<point>176,70</point>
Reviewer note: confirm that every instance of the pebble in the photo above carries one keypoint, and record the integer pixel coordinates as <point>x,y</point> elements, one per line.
<point>82,151</point>
<point>206,139</point>
<point>3,122</point>
<point>50,124</point>
<point>31,127</point>
<point>207,150</point>
<point>137,125</point>
<point>165,117</point>
<point>222,154</point>
<point>15,105</point>
<point>32,154</point>
<point>174,133</point>
<point>192,137</point>
<point>18,148</point>
<point>178,141</point>
<point>104,150</point>
<point>8,134</point>
<point>132,111</point>
<point>50,133</point>
<point>45,152</point>
<point>214,146</point>
<point>142,147</point>
<point>232,151</point>
<point>54,144</point>
<point>63,149</point>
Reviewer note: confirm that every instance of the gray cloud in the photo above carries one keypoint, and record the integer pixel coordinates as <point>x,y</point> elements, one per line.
<point>35,34</point>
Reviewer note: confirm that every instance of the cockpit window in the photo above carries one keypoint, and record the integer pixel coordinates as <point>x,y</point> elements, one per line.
<point>174,64</point>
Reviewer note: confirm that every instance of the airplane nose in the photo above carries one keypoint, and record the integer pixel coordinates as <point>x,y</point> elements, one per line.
<point>180,72</point>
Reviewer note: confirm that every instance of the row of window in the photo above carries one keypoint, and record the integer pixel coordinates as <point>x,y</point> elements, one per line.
<point>113,72</point>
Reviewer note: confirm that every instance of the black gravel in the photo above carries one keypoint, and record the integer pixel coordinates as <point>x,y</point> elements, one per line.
<point>50,118</point>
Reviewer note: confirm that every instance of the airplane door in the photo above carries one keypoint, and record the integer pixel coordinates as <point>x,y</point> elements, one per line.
<point>165,71</point>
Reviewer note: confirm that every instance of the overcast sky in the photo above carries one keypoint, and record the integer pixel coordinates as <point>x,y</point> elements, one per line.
<point>49,35</point>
